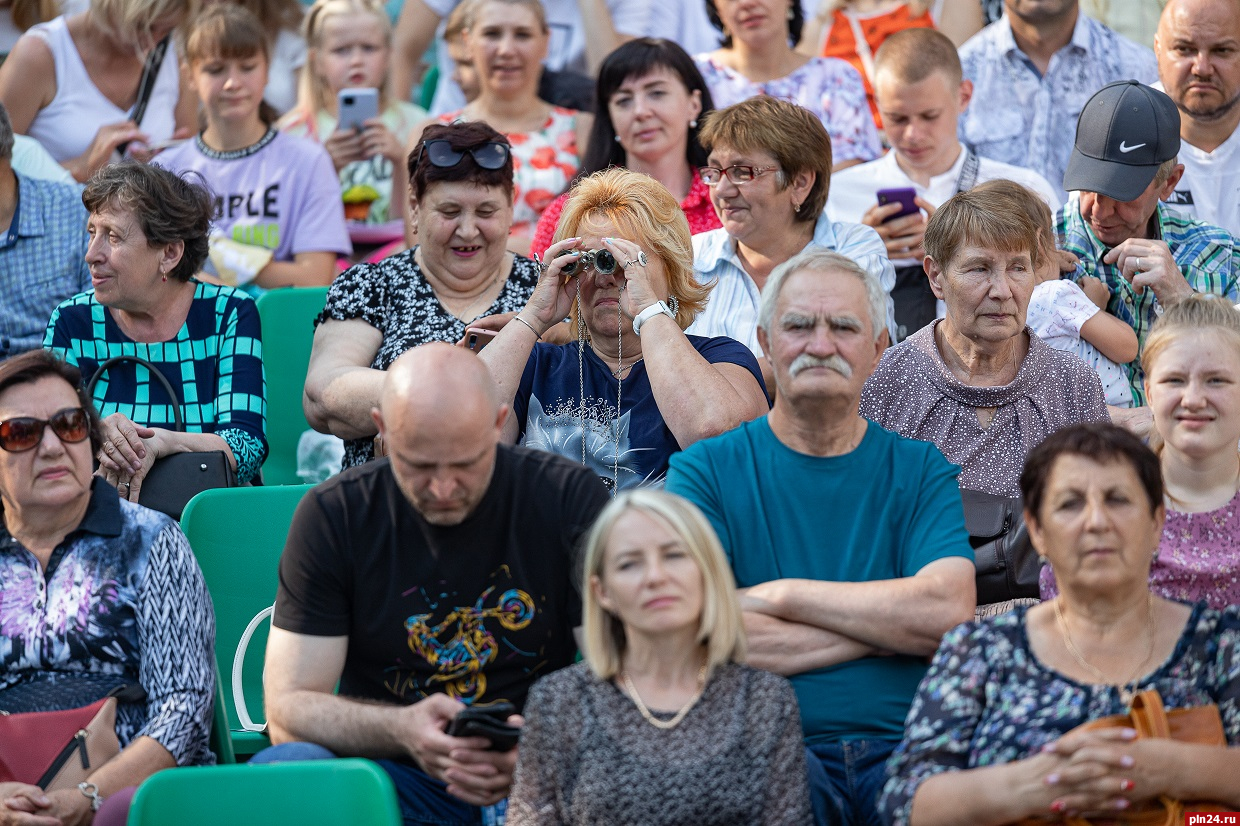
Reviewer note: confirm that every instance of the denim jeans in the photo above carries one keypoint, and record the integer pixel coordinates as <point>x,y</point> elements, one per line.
<point>424,801</point>
<point>845,779</point>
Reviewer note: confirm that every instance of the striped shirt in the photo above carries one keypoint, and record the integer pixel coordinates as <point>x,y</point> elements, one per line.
<point>214,364</point>
<point>1207,256</point>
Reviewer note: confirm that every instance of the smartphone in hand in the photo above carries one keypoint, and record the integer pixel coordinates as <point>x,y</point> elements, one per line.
<point>489,721</point>
<point>356,106</point>
<point>905,196</point>
<point>476,338</point>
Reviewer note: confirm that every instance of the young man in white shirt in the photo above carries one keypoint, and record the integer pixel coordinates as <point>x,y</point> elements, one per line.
<point>921,94</point>
<point>1198,50</point>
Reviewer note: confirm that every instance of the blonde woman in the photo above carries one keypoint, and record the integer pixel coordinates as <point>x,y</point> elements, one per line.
<point>661,724</point>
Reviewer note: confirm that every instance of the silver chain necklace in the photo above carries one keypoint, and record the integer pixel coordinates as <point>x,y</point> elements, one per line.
<point>581,385</point>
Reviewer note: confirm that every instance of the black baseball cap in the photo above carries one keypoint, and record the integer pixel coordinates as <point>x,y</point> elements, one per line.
<point>1126,131</point>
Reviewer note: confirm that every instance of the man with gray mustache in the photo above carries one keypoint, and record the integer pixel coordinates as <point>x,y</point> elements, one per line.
<point>847,541</point>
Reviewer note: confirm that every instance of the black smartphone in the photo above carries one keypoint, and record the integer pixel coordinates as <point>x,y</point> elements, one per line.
<point>489,721</point>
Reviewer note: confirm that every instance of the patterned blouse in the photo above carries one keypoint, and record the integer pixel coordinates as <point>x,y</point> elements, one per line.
<point>543,164</point>
<point>988,700</point>
<point>588,756</point>
<point>214,364</point>
<point>827,86</point>
<point>915,394</point>
<point>698,210</point>
<point>396,299</point>
<point>1198,558</point>
<point>121,597</point>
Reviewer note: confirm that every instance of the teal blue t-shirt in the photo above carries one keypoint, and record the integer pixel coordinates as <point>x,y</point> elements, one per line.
<point>883,511</point>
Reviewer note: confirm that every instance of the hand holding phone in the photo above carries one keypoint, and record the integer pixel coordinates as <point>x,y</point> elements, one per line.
<point>489,721</point>
<point>478,337</point>
<point>355,107</point>
<point>905,196</point>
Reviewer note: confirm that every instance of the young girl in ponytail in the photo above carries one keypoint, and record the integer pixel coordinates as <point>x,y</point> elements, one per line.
<point>278,218</point>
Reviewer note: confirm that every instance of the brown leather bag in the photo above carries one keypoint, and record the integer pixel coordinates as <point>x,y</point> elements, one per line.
<point>1199,724</point>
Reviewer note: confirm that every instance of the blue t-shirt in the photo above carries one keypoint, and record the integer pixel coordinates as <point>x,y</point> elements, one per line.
<point>556,404</point>
<point>883,511</point>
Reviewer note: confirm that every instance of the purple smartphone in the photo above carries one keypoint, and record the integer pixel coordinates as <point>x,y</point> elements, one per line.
<point>904,196</point>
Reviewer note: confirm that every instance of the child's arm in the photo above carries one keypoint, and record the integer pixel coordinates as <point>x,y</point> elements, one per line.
<point>1114,338</point>
<point>307,269</point>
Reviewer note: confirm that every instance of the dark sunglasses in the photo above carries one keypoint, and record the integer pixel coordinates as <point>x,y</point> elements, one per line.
<point>604,263</point>
<point>25,432</point>
<point>490,155</point>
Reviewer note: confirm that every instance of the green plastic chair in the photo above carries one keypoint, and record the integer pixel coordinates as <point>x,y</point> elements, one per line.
<point>310,793</point>
<point>288,331</point>
<point>238,535</point>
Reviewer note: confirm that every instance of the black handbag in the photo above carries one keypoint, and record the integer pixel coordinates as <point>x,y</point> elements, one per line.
<point>173,480</point>
<point>1007,564</point>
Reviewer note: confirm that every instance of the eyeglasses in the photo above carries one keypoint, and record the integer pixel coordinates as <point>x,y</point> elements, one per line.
<point>603,261</point>
<point>490,155</point>
<point>712,175</point>
<point>71,425</point>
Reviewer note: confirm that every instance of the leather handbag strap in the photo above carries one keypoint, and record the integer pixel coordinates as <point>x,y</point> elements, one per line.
<point>1149,717</point>
<point>150,74</point>
<point>155,374</point>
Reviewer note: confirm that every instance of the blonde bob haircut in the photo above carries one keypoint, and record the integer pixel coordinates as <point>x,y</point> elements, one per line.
<point>130,21</point>
<point>1200,312</point>
<point>720,628</point>
<point>642,211</point>
<point>313,92</point>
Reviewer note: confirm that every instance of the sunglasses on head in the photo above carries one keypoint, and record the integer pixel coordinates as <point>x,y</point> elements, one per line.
<point>25,432</point>
<point>490,155</point>
<point>603,261</point>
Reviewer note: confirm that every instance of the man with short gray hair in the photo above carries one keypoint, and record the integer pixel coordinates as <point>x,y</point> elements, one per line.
<point>42,250</point>
<point>847,541</point>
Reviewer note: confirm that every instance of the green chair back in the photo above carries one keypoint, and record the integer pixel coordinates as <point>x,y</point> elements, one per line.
<point>288,331</point>
<point>238,535</point>
<point>310,793</point>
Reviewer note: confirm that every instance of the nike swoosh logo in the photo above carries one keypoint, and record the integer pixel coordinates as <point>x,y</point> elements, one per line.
<point>1126,149</point>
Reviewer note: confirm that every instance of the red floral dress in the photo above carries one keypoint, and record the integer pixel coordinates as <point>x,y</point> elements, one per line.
<point>543,163</point>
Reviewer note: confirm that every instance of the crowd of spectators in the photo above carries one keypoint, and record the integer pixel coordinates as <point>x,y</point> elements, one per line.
<point>677,349</point>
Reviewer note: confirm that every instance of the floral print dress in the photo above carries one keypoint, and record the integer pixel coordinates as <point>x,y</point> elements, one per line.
<point>987,699</point>
<point>543,163</point>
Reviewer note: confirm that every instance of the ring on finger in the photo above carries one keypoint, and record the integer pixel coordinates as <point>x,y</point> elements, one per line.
<point>1139,264</point>
<point>542,265</point>
<point>641,259</point>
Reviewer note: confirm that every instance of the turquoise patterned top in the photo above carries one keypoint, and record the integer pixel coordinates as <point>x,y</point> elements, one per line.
<point>987,699</point>
<point>215,365</point>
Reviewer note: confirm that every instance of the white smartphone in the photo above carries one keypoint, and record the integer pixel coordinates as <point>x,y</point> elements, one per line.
<point>356,106</point>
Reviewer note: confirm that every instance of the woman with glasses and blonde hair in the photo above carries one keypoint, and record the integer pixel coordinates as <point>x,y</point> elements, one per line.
<point>633,388</point>
<point>661,724</point>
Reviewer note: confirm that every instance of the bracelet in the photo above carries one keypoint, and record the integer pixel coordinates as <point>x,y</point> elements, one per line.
<point>91,791</point>
<point>527,324</point>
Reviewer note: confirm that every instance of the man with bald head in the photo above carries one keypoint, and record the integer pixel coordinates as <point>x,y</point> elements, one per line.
<point>436,578</point>
<point>1198,50</point>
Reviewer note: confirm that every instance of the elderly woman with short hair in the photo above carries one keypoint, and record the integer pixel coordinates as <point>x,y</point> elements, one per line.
<point>663,723</point>
<point>978,383</point>
<point>992,736</point>
<point>633,388</point>
<point>768,169</point>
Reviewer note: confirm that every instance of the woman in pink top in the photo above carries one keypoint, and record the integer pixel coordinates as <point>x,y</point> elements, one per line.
<point>651,97</point>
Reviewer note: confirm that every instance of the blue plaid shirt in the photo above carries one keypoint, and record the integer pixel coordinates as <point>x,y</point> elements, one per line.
<point>44,264</point>
<point>214,364</point>
<point>1208,257</point>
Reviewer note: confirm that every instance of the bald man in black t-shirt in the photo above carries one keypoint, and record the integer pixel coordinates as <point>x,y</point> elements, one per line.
<point>439,577</point>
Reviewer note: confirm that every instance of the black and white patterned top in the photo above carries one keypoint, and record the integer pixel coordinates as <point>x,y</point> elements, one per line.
<point>396,299</point>
<point>122,598</point>
<point>589,757</point>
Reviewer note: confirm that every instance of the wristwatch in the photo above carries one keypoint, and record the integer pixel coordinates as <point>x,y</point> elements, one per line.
<point>649,313</point>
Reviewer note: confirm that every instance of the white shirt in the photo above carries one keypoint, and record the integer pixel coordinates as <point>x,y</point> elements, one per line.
<point>732,308</point>
<point>1210,188</point>
<point>855,190</point>
<point>1057,312</point>
<point>1020,117</point>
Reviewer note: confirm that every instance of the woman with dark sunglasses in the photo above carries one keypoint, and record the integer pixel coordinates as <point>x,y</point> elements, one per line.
<point>457,276</point>
<point>632,389</point>
<point>99,594</point>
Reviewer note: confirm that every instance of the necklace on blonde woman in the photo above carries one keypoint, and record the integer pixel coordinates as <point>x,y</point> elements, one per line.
<point>1128,688</point>
<point>680,715</point>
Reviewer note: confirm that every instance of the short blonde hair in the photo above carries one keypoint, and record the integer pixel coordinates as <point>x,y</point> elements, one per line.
<point>459,19</point>
<point>720,628</point>
<point>534,6</point>
<point>313,94</point>
<point>124,19</point>
<point>644,212</point>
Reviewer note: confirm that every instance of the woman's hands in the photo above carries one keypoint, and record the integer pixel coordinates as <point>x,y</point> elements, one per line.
<point>129,451</point>
<point>24,805</point>
<point>554,294</point>
<point>641,276</point>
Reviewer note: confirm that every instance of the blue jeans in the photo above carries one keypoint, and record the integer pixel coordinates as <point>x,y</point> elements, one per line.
<point>424,801</point>
<point>845,779</point>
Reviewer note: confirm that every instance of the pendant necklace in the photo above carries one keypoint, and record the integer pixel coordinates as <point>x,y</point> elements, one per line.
<point>1127,689</point>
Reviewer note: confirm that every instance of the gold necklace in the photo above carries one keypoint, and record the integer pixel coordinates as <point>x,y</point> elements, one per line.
<point>1128,688</point>
<point>680,715</point>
